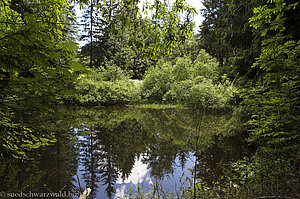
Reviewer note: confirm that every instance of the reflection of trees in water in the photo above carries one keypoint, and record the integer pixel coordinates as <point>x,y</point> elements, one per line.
<point>161,157</point>
<point>120,137</point>
<point>112,153</point>
<point>89,160</point>
<point>109,176</point>
<point>62,159</point>
<point>161,136</point>
<point>182,157</point>
<point>120,141</point>
<point>209,153</point>
<point>105,164</point>
<point>211,163</point>
<point>49,169</point>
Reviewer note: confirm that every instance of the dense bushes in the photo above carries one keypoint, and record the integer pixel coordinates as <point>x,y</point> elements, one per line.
<point>106,87</point>
<point>201,92</point>
<point>197,84</point>
<point>157,82</point>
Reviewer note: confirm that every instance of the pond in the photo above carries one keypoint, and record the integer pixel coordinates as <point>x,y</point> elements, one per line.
<point>119,151</point>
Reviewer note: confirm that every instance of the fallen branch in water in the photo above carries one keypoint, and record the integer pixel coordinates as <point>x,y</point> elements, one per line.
<point>85,194</point>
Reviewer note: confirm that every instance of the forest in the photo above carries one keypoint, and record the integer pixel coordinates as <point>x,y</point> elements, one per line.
<point>242,60</point>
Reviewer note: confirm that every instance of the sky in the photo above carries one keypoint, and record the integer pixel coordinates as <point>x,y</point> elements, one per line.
<point>198,5</point>
<point>195,3</point>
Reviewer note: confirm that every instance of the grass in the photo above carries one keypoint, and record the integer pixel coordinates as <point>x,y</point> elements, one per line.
<point>158,106</point>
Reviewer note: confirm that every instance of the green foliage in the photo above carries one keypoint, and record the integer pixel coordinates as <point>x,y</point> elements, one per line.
<point>171,27</point>
<point>270,100</point>
<point>274,100</point>
<point>37,68</point>
<point>206,66</point>
<point>201,92</point>
<point>267,174</point>
<point>181,70</point>
<point>189,83</point>
<point>226,35</point>
<point>157,82</point>
<point>106,87</point>
<point>132,42</point>
<point>17,139</point>
<point>111,72</point>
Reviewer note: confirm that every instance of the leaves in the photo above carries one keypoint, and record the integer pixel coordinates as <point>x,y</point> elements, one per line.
<point>37,58</point>
<point>188,83</point>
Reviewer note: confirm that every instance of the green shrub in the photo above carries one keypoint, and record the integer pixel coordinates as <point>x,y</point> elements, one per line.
<point>206,66</point>
<point>119,92</point>
<point>112,72</point>
<point>201,92</point>
<point>182,69</point>
<point>179,92</point>
<point>157,82</point>
<point>86,87</point>
<point>93,87</point>
<point>192,84</point>
<point>204,95</point>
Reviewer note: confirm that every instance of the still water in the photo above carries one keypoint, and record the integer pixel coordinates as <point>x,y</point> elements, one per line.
<point>122,151</point>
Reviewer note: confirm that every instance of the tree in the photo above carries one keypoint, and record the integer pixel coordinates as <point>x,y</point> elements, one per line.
<point>36,67</point>
<point>212,37</point>
<point>274,100</point>
<point>226,35</point>
<point>98,17</point>
<point>134,43</point>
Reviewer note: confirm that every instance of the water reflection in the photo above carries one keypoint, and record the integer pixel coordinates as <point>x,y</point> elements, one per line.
<point>50,170</point>
<point>118,149</point>
<point>143,146</point>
